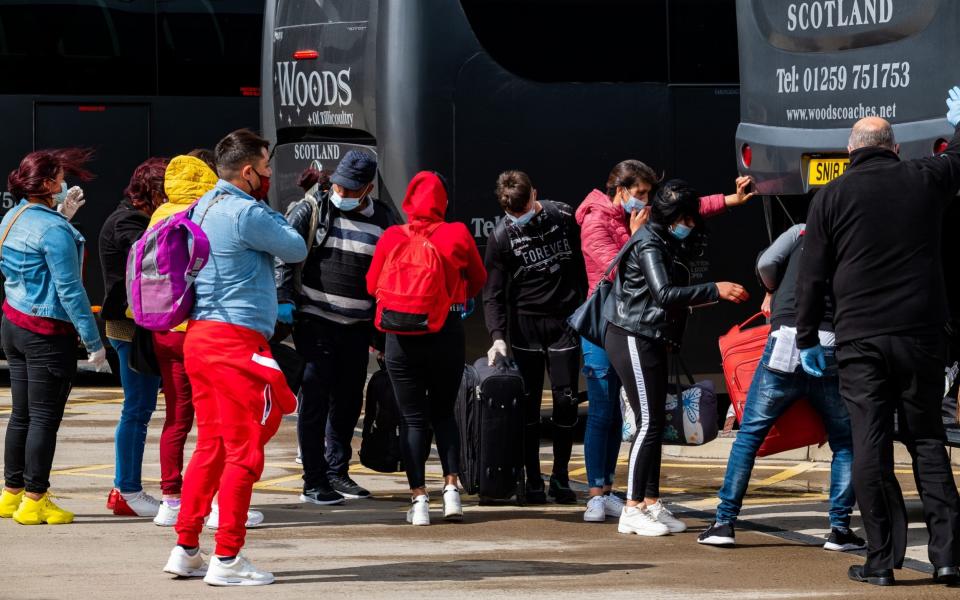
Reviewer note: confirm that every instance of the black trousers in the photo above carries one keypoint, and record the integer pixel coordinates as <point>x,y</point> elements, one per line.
<point>539,342</point>
<point>331,395</point>
<point>426,371</point>
<point>643,367</point>
<point>42,368</point>
<point>904,374</point>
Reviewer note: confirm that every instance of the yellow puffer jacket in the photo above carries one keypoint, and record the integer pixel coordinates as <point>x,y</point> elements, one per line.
<point>186,179</point>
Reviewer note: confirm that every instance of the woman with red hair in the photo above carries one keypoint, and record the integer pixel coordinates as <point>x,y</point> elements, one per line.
<point>121,229</point>
<point>44,309</point>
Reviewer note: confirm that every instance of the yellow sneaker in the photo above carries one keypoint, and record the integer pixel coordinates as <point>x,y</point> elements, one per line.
<point>9,503</point>
<point>34,512</point>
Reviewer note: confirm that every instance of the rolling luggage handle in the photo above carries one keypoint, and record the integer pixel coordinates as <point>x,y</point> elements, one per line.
<point>749,321</point>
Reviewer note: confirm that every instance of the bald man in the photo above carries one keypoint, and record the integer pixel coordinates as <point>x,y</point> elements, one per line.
<point>873,240</point>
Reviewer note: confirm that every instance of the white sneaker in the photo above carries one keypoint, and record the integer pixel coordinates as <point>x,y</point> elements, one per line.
<point>167,515</point>
<point>254,518</point>
<point>612,505</point>
<point>595,512</point>
<point>660,512</point>
<point>142,504</point>
<point>182,564</point>
<point>452,507</point>
<point>419,513</point>
<point>239,572</point>
<point>634,519</point>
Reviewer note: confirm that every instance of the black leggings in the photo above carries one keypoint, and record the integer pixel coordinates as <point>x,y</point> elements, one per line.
<point>426,371</point>
<point>42,368</point>
<point>539,342</point>
<point>641,364</point>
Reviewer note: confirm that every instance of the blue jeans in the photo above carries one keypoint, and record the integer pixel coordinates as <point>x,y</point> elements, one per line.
<point>139,402</point>
<point>601,442</point>
<point>771,394</point>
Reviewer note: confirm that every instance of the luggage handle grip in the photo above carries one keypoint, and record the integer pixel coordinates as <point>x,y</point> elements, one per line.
<point>743,325</point>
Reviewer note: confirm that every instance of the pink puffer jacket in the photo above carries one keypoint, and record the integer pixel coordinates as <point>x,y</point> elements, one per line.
<point>604,230</point>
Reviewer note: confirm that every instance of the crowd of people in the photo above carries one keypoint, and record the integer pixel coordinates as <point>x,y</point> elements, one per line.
<point>856,299</point>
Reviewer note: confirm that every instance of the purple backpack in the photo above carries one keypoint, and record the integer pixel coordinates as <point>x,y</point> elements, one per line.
<point>162,267</point>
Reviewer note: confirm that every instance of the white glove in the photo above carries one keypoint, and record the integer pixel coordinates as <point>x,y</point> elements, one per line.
<point>73,202</point>
<point>499,347</point>
<point>98,360</point>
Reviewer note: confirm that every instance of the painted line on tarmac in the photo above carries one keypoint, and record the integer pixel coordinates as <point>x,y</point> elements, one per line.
<point>784,475</point>
<point>76,470</point>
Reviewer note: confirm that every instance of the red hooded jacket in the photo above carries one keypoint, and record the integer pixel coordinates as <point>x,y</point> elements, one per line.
<point>604,229</point>
<point>426,204</point>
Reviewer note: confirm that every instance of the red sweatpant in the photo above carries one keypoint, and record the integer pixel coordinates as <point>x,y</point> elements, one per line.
<point>179,415</point>
<point>239,395</point>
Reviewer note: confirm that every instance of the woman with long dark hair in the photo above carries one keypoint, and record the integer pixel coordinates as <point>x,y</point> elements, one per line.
<point>122,228</point>
<point>653,296</point>
<point>44,309</point>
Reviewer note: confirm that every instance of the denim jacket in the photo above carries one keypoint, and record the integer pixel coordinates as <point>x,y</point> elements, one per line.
<point>42,261</point>
<point>237,286</point>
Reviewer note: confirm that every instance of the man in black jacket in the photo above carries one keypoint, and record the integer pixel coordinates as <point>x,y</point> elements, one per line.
<point>333,329</point>
<point>873,240</point>
<point>535,280</point>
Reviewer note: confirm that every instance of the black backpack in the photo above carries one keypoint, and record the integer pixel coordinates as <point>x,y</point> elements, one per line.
<point>380,445</point>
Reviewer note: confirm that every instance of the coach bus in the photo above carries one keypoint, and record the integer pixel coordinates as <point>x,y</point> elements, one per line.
<point>809,69</point>
<point>562,89</point>
<point>129,78</point>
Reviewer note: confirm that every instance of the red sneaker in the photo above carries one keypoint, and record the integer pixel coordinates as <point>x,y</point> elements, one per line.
<point>112,499</point>
<point>141,505</point>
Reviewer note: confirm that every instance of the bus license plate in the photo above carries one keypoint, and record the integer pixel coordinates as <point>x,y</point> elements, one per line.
<point>824,170</point>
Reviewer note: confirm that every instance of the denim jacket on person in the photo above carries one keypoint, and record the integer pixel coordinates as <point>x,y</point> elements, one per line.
<point>42,264</point>
<point>237,285</point>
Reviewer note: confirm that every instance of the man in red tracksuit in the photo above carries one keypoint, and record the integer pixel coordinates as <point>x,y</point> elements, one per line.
<point>239,392</point>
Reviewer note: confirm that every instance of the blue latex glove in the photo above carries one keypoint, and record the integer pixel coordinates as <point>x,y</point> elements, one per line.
<point>953,106</point>
<point>813,360</point>
<point>468,308</point>
<point>285,313</point>
<point>953,115</point>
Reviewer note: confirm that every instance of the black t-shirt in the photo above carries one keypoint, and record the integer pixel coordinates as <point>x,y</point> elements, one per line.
<point>534,269</point>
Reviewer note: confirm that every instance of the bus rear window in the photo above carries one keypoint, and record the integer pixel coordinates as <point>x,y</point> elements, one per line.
<point>575,40</point>
<point>703,41</point>
<point>55,46</point>
<point>209,48</point>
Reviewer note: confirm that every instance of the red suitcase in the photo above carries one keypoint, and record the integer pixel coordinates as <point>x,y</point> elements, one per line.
<point>741,349</point>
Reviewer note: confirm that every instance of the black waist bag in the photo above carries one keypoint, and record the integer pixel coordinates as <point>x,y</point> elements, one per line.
<point>380,445</point>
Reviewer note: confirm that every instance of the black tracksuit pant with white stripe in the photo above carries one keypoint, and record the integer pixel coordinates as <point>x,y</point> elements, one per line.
<point>641,364</point>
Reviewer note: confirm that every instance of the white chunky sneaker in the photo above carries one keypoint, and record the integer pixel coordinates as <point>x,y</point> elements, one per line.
<point>452,507</point>
<point>141,504</point>
<point>613,505</point>
<point>636,520</point>
<point>254,518</point>
<point>419,513</point>
<point>182,564</point>
<point>595,512</point>
<point>660,512</point>
<point>238,572</point>
<point>167,515</point>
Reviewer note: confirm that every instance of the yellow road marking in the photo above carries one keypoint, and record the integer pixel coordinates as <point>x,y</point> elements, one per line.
<point>271,482</point>
<point>785,475</point>
<point>75,470</point>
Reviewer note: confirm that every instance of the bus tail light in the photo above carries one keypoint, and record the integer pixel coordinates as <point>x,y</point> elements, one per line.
<point>305,55</point>
<point>940,146</point>
<point>746,155</point>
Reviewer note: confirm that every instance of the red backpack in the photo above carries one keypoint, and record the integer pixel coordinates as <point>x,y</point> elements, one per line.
<point>412,296</point>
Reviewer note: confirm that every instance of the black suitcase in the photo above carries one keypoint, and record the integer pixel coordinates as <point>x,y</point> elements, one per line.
<point>380,444</point>
<point>490,418</point>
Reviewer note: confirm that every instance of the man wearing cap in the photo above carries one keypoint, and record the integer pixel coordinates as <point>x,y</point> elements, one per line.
<point>325,299</point>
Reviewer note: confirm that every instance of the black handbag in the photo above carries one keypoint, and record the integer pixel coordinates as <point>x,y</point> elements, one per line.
<point>590,320</point>
<point>143,356</point>
<point>291,364</point>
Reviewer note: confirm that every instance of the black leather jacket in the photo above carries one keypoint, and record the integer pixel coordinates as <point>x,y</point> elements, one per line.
<point>652,291</point>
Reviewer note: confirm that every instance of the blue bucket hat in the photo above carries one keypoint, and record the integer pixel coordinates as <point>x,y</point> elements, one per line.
<point>355,170</point>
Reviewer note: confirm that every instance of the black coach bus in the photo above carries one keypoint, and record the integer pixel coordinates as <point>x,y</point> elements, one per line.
<point>562,89</point>
<point>130,78</point>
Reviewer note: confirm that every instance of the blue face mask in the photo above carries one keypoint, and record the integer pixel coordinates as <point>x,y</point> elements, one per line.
<point>680,231</point>
<point>524,218</point>
<point>61,196</point>
<point>633,204</point>
<point>344,204</point>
